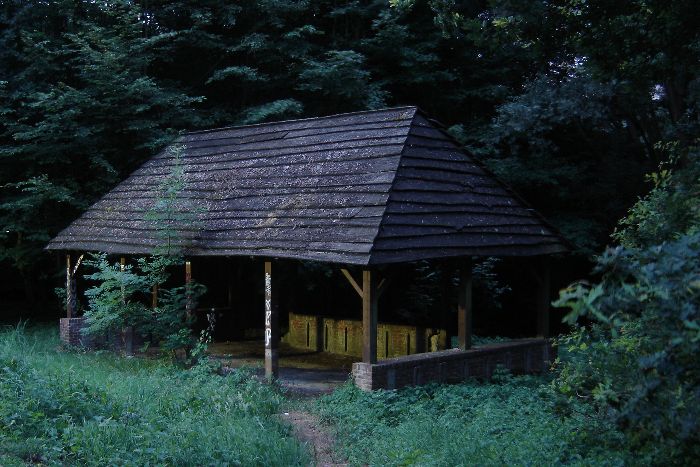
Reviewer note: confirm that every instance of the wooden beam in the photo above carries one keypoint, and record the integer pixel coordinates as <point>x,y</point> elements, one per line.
<point>122,268</point>
<point>70,290</point>
<point>370,300</point>
<point>352,281</point>
<point>154,296</point>
<point>383,285</point>
<point>543,298</point>
<point>271,326</point>
<point>464,306</point>
<point>188,285</point>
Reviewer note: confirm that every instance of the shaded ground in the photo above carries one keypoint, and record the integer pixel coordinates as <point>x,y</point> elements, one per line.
<point>302,372</point>
<point>252,353</point>
<point>308,429</point>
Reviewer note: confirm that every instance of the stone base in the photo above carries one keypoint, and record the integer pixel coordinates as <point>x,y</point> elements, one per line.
<point>71,333</point>
<point>454,366</point>
<point>127,341</point>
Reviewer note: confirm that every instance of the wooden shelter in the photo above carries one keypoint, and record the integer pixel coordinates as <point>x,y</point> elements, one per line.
<point>365,189</point>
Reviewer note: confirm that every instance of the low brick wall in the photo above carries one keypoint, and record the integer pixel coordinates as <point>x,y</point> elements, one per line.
<point>454,366</point>
<point>344,336</point>
<point>70,330</point>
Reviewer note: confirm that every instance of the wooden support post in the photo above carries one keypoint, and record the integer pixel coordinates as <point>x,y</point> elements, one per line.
<point>543,299</point>
<point>122,268</point>
<point>229,282</point>
<point>370,299</point>
<point>70,290</point>
<point>154,296</point>
<point>271,327</point>
<point>464,306</point>
<point>188,285</point>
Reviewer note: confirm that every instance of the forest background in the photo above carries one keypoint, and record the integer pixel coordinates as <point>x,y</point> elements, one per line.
<point>572,102</point>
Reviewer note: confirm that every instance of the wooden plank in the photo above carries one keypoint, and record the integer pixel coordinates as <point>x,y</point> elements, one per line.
<point>397,116</point>
<point>416,254</point>
<point>369,317</point>
<point>383,286</point>
<point>292,140</point>
<point>461,239</point>
<point>352,281</point>
<point>419,230</point>
<point>271,327</point>
<point>476,218</point>
<point>154,296</point>
<point>188,285</point>
<point>233,154</point>
<point>70,289</point>
<point>317,189</point>
<point>204,182</point>
<point>216,162</point>
<point>122,268</point>
<point>464,305</point>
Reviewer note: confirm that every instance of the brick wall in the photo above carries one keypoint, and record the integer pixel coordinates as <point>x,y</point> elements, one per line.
<point>70,330</point>
<point>344,336</point>
<point>453,366</point>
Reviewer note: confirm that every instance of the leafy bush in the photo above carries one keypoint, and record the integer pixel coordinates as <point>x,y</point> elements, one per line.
<point>121,292</point>
<point>97,409</point>
<point>672,207</point>
<point>120,298</point>
<point>514,421</point>
<point>638,362</point>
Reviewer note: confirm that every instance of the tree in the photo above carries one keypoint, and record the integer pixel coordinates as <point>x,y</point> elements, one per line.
<point>78,110</point>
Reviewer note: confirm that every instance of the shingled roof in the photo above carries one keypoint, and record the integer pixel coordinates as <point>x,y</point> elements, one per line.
<point>363,188</point>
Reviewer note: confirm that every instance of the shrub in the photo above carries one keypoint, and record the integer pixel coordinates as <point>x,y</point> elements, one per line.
<point>512,421</point>
<point>98,409</point>
<point>638,361</point>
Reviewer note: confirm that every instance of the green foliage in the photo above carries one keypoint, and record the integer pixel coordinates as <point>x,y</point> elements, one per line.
<point>638,362</point>
<point>174,217</point>
<point>523,84</point>
<point>672,207</point>
<point>340,76</point>
<point>120,296</point>
<point>114,300</point>
<point>280,109</point>
<point>512,421</point>
<point>77,111</point>
<point>90,409</point>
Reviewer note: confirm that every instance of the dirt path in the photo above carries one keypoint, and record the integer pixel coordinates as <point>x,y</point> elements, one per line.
<point>308,430</point>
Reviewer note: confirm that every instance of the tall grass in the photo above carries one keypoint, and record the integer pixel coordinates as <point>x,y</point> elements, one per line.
<point>69,408</point>
<point>511,421</point>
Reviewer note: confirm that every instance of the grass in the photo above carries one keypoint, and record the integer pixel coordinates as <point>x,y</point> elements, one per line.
<point>73,408</point>
<point>510,421</point>
<point>70,408</point>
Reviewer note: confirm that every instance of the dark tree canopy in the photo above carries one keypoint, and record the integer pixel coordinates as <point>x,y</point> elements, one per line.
<point>567,101</point>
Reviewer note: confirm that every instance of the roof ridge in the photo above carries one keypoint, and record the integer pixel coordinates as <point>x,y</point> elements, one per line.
<point>276,122</point>
<point>506,186</point>
<point>391,187</point>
